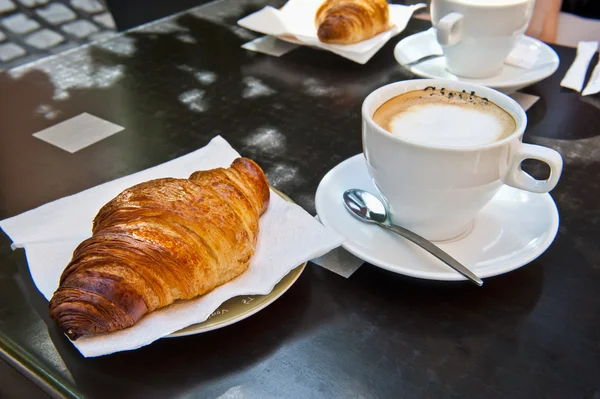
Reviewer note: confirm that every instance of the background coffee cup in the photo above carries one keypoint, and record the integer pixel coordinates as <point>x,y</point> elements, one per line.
<point>438,191</point>
<point>478,35</point>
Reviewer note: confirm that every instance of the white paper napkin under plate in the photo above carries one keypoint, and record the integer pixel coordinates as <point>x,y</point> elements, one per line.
<point>295,22</point>
<point>288,237</point>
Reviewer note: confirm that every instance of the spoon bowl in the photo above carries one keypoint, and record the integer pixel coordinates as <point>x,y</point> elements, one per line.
<point>365,206</point>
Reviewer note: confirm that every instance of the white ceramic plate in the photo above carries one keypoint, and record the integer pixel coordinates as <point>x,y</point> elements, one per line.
<point>511,231</point>
<point>509,80</point>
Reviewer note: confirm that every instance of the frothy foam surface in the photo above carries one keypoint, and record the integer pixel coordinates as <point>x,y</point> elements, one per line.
<point>447,125</point>
<point>444,118</point>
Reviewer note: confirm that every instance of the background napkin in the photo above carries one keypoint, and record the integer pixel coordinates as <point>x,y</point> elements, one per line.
<point>593,85</point>
<point>523,55</point>
<point>270,45</point>
<point>297,19</point>
<point>288,237</point>
<point>575,76</point>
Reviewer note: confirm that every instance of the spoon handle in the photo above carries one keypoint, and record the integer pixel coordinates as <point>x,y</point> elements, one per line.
<point>434,250</point>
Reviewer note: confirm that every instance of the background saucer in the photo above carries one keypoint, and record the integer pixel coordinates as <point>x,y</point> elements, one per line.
<point>509,80</point>
<point>511,231</point>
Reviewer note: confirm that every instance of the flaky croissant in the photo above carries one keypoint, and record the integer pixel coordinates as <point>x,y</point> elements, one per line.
<point>160,241</point>
<point>351,21</point>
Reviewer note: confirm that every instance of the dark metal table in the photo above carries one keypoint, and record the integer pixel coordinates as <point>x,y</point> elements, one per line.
<point>530,333</point>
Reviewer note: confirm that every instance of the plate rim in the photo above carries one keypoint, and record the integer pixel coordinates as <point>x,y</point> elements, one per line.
<point>484,82</point>
<point>437,276</point>
<point>253,310</point>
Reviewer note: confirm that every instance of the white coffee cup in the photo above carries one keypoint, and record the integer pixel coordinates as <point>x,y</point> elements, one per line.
<point>478,35</point>
<point>438,191</point>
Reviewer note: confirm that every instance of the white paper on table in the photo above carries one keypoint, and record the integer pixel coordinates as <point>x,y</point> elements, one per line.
<point>288,237</point>
<point>78,132</point>
<point>296,19</point>
<point>523,55</point>
<point>270,45</point>
<point>575,76</point>
<point>340,262</point>
<point>593,85</point>
<point>525,100</point>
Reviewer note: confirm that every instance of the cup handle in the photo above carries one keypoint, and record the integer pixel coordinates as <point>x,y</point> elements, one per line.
<point>449,29</point>
<point>517,178</point>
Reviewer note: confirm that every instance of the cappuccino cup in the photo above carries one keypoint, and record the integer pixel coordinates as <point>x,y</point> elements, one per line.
<point>438,151</point>
<point>478,35</point>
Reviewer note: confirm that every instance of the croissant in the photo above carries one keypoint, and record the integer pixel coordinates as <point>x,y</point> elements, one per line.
<point>160,241</point>
<point>351,21</point>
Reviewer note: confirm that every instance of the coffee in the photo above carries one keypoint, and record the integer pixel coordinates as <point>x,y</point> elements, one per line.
<point>440,117</point>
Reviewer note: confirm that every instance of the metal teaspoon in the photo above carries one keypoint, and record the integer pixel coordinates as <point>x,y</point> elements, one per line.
<point>368,208</point>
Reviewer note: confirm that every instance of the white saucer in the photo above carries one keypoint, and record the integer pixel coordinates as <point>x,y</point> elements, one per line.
<point>511,231</point>
<point>509,80</point>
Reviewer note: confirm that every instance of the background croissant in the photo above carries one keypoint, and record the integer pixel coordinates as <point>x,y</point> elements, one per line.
<point>160,241</point>
<point>351,21</point>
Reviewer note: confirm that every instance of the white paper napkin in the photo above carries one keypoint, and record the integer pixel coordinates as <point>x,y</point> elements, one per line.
<point>340,262</point>
<point>296,19</point>
<point>522,56</point>
<point>270,45</point>
<point>525,100</point>
<point>575,76</point>
<point>288,237</point>
<point>593,85</point>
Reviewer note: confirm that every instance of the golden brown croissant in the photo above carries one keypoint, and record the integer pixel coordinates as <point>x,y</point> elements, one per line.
<point>351,21</point>
<point>160,241</point>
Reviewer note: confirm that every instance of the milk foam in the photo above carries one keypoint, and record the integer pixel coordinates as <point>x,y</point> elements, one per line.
<point>446,125</point>
<point>444,118</point>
